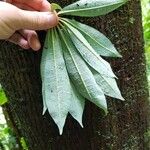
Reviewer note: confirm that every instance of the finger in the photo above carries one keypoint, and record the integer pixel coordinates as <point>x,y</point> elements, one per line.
<point>17,39</point>
<point>22,6</point>
<point>36,20</point>
<point>8,1</point>
<point>46,6</point>
<point>32,38</point>
<point>40,5</point>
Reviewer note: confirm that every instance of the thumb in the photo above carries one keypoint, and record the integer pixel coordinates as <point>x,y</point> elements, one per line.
<point>37,20</point>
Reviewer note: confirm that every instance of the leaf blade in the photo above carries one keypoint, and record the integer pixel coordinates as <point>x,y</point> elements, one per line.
<point>77,105</point>
<point>57,98</point>
<point>43,63</point>
<point>91,8</point>
<point>100,43</point>
<point>88,53</point>
<point>108,85</point>
<point>81,75</point>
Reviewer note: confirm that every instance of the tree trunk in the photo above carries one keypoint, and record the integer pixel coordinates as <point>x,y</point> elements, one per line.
<point>126,125</point>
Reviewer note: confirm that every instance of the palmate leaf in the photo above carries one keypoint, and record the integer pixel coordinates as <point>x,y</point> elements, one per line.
<point>71,68</point>
<point>80,74</point>
<point>56,90</point>
<point>88,53</point>
<point>100,43</point>
<point>91,8</point>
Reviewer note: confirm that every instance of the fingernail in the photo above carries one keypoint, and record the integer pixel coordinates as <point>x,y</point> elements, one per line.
<point>37,45</point>
<point>34,42</point>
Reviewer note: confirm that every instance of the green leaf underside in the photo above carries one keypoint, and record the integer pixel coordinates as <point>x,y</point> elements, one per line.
<point>88,53</point>
<point>108,85</point>
<point>80,74</point>
<point>100,43</point>
<point>43,63</point>
<point>77,105</point>
<point>59,96</point>
<point>71,68</point>
<point>57,92</point>
<point>44,100</point>
<point>91,8</point>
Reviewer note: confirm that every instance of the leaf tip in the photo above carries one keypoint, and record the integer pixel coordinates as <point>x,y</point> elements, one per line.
<point>122,99</point>
<point>119,97</point>
<point>119,55</point>
<point>104,108</point>
<point>60,131</point>
<point>105,112</point>
<point>44,110</point>
<point>60,123</point>
<point>81,124</point>
<point>60,127</point>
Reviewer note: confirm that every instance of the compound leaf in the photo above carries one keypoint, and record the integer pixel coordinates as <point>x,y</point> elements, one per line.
<point>77,55</point>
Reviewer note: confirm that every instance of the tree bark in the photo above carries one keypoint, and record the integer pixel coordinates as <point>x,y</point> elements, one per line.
<point>126,125</point>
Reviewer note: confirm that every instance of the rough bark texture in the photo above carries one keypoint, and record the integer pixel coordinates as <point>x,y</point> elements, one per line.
<point>125,126</point>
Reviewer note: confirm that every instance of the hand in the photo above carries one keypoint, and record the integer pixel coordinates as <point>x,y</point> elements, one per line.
<point>18,25</point>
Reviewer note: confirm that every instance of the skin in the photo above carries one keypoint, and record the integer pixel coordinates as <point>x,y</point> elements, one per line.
<point>19,20</point>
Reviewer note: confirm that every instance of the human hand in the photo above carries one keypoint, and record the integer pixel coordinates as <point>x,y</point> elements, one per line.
<point>18,25</point>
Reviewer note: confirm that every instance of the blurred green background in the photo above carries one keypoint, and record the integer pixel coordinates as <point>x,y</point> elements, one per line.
<point>7,137</point>
<point>146,27</point>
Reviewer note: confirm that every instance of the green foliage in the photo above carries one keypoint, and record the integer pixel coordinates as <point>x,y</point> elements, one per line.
<point>91,8</point>
<point>108,85</point>
<point>146,25</point>
<point>55,6</point>
<point>3,98</point>
<point>100,43</point>
<point>7,138</point>
<point>146,22</point>
<point>23,144</point>
<point>57,88</point>
<point>87,52</point>
<point>71,68</point>
<point>81,76</point>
